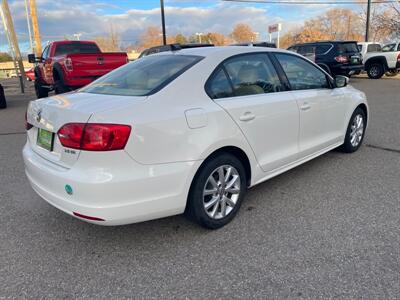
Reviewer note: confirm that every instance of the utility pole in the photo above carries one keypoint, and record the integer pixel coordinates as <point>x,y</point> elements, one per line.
<point>35,25</point>
<point>163,22</point>
<point>368,21</point>
<point>29,24</point>
<point>13,42</point>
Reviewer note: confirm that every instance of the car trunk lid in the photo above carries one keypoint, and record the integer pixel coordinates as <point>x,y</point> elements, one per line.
<point>50,114</point>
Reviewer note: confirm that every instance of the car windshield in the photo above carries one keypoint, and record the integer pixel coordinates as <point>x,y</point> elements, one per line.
<point>72,48</point>
<point>347,48</point>
<point>144,76</point>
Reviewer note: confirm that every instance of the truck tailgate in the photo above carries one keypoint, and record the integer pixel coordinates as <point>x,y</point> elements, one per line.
<point>96,64</point>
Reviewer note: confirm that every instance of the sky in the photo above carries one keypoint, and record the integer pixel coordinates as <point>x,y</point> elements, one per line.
<point>60,18</point>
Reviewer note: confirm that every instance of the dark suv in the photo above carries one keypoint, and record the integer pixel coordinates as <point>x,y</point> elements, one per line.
<point>335,57</point>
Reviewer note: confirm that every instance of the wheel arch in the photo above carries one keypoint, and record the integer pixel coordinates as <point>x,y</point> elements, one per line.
<point>233,150</point>
<point>377,59</point>
<point>364,107</point>
<point>57,72</point>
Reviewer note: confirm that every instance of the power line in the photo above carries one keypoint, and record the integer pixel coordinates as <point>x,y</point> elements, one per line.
<point>311,2</point>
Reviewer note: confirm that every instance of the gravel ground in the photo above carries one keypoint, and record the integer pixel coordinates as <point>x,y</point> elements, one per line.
<point>327,229</point>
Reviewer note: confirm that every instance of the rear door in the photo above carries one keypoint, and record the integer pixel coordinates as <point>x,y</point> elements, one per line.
<point>250,90</point>
<point>350,51</point>
<point>322,108</point>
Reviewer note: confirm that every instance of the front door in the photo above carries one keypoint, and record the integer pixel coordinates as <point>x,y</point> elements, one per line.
<point>322,108</point>
<point>249,89</point>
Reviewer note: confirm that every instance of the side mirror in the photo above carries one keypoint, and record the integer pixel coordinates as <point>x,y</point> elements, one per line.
<point>32,58</point>
<point>341,81</point>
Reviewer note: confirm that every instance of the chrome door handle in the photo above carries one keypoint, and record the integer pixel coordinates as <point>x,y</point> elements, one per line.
<point>247,116</point>
<point>306,106</point>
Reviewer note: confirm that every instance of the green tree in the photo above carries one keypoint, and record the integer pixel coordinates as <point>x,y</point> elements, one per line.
<point>5,57</point>
<point>180,39</point>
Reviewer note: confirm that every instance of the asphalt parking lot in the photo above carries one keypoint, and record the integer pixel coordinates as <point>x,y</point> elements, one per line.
<point>327,229</point>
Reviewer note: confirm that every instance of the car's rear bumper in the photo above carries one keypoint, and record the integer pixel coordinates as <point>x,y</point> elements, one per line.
<point>347,69</point>
<point>119,192</point>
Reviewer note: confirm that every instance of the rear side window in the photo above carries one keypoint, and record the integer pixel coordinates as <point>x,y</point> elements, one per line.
<point>347,48</point>
<point>374,48</point>
<point>72,48</point>
<point>144,76</point>
<point>219,86</point>
<point>322,49</point>
<point>252,74</point>
<point>301,74</point>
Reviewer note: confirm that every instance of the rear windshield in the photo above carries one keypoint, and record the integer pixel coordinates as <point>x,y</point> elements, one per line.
<point>374,48</point>
<point>347,48</point>
<point>72,48</point>
<point>144,76</point>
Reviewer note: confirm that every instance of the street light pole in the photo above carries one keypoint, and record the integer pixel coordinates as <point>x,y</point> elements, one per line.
<point>368,20</point>
<point>163,22</point>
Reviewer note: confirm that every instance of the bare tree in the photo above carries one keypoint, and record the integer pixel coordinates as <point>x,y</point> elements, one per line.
<point>111,42</point>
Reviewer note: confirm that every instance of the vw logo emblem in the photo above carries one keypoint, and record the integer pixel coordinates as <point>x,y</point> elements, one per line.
<point>39,116</point>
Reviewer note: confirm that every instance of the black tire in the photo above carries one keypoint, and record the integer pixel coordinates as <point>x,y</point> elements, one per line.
<point>60,87</point>
<point>40,90</point>
<point>348,146</point>
<point>195,208</point>
<point>375,71</point>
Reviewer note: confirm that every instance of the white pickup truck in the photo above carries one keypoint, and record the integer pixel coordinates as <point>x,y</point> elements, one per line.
<point>385,61</point>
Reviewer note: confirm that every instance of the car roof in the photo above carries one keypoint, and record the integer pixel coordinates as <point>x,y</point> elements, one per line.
<point>323,42</point>
<point>221,51</point>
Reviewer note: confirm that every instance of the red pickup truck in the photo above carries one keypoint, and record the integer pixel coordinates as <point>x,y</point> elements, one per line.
<point>67,65</point>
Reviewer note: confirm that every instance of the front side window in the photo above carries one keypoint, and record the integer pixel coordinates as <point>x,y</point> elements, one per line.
<point>144,76</point>
<point>252,74</point>
<point>45,53</point>
<point>389,48</point>
<point>301,74</point>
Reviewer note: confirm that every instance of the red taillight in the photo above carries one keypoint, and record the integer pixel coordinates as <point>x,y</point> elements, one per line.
<point>341,59</point>
<point>68,64</point>
<point>70,135</point>
<point>94,136</point>
<point>398,57</point>
<point>27,125</point>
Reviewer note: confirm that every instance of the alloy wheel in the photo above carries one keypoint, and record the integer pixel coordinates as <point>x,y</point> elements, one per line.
<point>357,130</point>
<point>221,192</point>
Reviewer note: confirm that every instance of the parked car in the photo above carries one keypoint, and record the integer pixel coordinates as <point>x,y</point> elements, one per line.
<point>30,74</point>
<point>188,131</point>
<point>335,57</point>
<point>67,65</point>
<point>384,62</point>
<point>172,47</point>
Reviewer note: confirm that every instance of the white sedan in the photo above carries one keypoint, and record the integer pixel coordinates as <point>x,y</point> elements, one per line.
<point>186,131</point>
